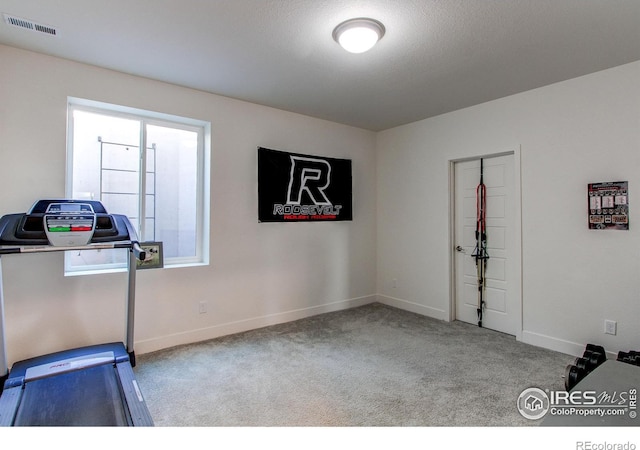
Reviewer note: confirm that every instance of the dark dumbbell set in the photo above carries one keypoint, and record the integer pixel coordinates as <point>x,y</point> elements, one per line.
<point>593,356</point>
<point>631,357</point>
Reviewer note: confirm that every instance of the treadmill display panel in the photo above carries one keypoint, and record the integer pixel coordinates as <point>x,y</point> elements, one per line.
<point>69,224</point>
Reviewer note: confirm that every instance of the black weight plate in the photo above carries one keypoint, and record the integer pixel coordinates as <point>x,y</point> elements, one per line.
<point>583,364</point>
<point>595,348</point>
<point>572,376</point>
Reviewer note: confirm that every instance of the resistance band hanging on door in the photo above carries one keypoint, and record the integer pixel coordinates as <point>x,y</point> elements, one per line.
<point>480,252</point>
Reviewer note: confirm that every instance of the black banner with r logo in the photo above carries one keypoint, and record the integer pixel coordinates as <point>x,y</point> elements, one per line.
<point>302,188</point>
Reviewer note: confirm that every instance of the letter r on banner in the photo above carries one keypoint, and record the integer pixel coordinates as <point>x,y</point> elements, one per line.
<point>310,175</point>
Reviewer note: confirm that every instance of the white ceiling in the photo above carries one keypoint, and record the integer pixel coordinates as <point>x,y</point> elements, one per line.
<point>436,56</point>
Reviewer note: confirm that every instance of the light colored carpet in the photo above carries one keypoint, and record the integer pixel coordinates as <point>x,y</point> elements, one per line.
<point>369,366</point>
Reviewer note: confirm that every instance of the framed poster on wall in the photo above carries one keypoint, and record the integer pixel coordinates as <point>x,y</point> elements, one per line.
<point>608,205</point>
<point>293,187</point>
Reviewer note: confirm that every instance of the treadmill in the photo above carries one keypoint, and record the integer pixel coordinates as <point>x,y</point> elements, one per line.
<point>87,386</point>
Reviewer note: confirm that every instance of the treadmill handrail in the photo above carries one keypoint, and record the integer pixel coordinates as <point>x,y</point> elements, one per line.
<point>138,251</point>
<point>6,250</point>
<point>134,245</point>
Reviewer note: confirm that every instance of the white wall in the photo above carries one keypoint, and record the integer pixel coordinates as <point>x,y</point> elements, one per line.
<point>259,273</point>
<point>569,134</point>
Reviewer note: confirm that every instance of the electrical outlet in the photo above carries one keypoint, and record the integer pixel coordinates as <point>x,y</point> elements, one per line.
<point>610,327</point>
<point>202,307</point>
<point>394,283</point>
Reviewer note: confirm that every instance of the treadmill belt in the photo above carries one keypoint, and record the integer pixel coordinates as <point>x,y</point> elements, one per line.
<point>88,397</point>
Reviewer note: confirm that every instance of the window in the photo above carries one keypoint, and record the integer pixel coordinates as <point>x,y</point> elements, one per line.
<point>150,167</point>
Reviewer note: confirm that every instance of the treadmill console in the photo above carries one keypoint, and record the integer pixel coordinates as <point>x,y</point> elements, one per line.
<point>69,223</point>
<point>65,223</point>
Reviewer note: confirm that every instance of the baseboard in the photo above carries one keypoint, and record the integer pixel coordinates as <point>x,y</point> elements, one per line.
<point>558,345</point>
<point>413,307</point>
<point>204,334</point>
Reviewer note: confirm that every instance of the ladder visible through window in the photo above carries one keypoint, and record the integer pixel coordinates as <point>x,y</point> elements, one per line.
<point>122,190</point>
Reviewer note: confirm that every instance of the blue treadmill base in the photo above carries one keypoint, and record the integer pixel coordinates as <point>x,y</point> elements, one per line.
<point>88,386</point>
<point>89,397</point>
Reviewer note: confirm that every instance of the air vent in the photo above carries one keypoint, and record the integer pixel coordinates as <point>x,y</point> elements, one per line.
<point>30,25</point>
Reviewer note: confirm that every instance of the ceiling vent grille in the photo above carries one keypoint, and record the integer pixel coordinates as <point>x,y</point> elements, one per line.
<point>27,24</point>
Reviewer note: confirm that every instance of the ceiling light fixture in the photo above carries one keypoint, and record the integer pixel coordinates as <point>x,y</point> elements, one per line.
<point>358,35</point>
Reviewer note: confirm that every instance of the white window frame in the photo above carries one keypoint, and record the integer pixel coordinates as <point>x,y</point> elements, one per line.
<point>203,128</point>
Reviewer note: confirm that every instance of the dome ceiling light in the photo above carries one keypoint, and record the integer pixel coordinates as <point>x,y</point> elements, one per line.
<point>358,35</point>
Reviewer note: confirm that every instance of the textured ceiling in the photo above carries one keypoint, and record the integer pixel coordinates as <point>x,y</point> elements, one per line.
<point>436,56</point>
